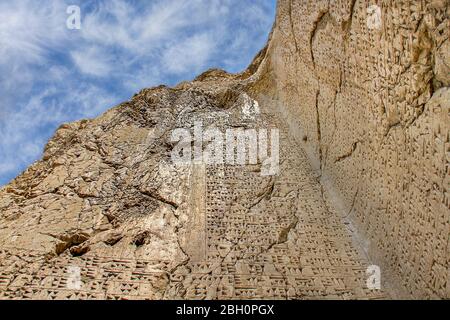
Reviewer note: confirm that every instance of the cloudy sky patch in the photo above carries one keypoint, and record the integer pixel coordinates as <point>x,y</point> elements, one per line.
<point>52,75</point>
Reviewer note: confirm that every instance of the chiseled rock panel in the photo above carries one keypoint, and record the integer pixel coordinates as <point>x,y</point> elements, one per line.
<point>368,98</point>
<point>106,214</point>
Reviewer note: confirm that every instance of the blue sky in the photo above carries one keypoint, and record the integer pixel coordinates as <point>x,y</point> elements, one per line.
<point>51,75</point>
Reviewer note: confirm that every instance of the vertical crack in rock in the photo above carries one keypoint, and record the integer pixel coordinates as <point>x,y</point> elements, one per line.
<point>318,127</point>
<point>333,133</point>
<point>291,20</point>
<point>317,23</point>
<point>350,20</point>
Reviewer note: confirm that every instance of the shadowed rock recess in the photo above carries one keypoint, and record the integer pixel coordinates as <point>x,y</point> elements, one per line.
<point>364,177</point>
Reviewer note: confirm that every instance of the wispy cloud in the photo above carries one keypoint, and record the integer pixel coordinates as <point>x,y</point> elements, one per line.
<point>29,29</point>
<point>91,61</point>
<point>52,75</point>
<point>189,54</point>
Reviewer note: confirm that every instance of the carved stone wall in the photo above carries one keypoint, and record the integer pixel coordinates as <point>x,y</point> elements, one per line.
<point>369,101</point>
<point>359,92</point>
<point>107,215</point>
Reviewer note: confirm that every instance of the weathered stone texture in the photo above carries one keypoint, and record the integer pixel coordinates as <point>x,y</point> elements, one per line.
<point>107,201</point>
<point>371,107</point>
<point>363,115</point>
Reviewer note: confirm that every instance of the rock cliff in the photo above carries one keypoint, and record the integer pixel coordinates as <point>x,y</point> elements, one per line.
<point>359,93</point>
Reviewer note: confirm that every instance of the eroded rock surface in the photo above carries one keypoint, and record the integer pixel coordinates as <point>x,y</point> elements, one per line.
<point>370,100</point>
<point>363,115</point>
<point>108,200</point>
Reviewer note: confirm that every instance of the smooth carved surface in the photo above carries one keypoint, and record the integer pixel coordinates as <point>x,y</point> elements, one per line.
<point>364,123</point>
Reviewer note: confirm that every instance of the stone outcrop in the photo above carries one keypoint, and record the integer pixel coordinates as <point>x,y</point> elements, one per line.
<point>371,105</point>
<point>362,107</point>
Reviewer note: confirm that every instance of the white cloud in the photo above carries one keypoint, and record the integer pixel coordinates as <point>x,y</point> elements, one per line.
<point>190,54</point>
<point>92,61</point>
<point>29,28</point>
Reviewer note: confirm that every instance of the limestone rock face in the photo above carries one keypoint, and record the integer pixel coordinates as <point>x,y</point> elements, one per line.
<point>370,101</point>
<point>361,104</point>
